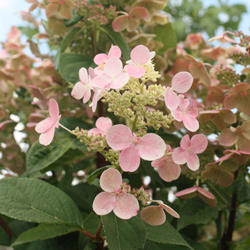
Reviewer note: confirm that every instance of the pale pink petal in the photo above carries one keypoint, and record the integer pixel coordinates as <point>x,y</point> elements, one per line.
<point>171,99</point>
<point>140,54</point>
<point>159,162</point>
<point>178,115</point>
<point>83,76</point>
<point>103,123</point>
<point>120,23</point>
<point>169,171</point>
<point>104,203</point>
<point>96,97</point>
<point>129,159</point>
<point>170,210</point>
<point>100,58</point>
<point>179,156</point>
<point>114,52</point>
<point>119,137</point>
<point>92,74</point>
<point>78,90</point>
<point>47,137</point>
<point>87,95</point>
<point>44,125</point>
<point>184,103</point>
<point>111,180</point>
<point>119,81</point>
<point>185,142</point>
<point>193,161</point>
<point>153,215</point>
<point>113,67</point>
<point>126,206</point>
<point>205,193</point>
<point>187,193</point>
<point>95,131</point>
<point>198,143</point>
<point>192,111</point>
<point>182,82</point>
<point>53,109</point>
<point>101,81</point>
<point>190,123</point>
<point>135,71</point>
<point>151,147</point>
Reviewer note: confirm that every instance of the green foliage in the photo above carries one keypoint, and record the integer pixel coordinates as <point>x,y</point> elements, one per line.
<point>241,188</point>
<point>95,173</point>
<point>124,234</point>
<point>34,200</point>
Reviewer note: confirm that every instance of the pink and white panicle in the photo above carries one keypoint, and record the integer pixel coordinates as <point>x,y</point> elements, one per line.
<point>149,147</point>
<point>188,150</point>
<point>102,125</point>
<point>140,55</point>
<point>155,215</point>
<point>123,205</point>
<point>47,126</point>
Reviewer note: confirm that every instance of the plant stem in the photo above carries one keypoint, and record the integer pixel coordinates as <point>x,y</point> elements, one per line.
<point>84,231</point>
<point>5,227</point>
<point>71,132</point>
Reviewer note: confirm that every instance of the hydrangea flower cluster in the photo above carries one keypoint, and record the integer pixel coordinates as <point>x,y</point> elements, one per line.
<point>131,94</point>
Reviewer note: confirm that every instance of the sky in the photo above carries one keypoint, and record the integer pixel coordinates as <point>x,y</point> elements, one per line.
<point>9,14</point>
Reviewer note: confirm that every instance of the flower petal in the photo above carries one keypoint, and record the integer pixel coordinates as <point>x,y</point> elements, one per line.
<point>140,54</point>
<point>198,143</point>
<point>101,81</point>
<point>87,95</point>
<point>78,90</point>
<point>185,142</point>
<point>187,193</point>
<point>100,58</point>
<point>190,123</point>
<point>113,67</point>
<point>44,125</point>
<point>170,210</point>
<point>129,159</point>
<point>119,81</point>
<point>153,215</point>
<point>179,156</point>
<point>227,137</point>
<point>114,52</point>
<point>126,206</point>
<point>47,137</point>
<point>119,137</point>
<point>171,99</point>
<point>193,161</point>
<point>120,23</point>
<point>182,82</point>
<point>135,71</point>
<point>111,180</point>
<point>103,123</point>
<point>53,109</point>
<point>104,203</point>
<point>169,171</point>
<point>151,147</point>
<point>95,131</point>
<point>83,76</point>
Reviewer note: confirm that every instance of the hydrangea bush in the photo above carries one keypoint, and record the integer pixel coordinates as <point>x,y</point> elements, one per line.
<point>144,142</point>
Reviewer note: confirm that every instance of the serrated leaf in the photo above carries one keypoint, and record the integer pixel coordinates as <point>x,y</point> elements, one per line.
<point>124,234</point>
<point>69,65</point>
<point>117,39</point>
<point>195,211</point>
<point>90,178</point>
<point>165,234</point>
<point>166,35</point>
<point>43,232</point>
<point>34,200</point>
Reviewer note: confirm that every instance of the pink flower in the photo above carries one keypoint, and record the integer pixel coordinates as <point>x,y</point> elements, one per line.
<point>139,55</point>
<point>181,83</point>
<point>83,88</point>
<point>149,148</point>
<point>187,152</point>
<point>186,114</point>
<point>102,125</point>
<point>167,169</point>
<point>112,77</point>
<point>223,38</point>
<point>155,216</point>
<point>47,126</point>
<point>124,205</point>
<point>102,58</point>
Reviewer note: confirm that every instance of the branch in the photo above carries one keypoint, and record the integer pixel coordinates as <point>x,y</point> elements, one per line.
<point>5,227</point>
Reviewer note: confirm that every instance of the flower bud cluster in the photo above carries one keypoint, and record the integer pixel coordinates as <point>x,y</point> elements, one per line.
<point>141,194</point>
<point>112,156</point>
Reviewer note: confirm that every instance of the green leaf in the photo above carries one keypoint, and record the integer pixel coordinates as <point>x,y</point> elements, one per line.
<point>124,234</point>
<point>90,178</point>
<point>69,65</point>
<point>242,188</point>
<point>166,35</point>
<point>28,31</point>
<point>157,246</point>
<point>34,200</point>
<point>43,232</point>
<point>117,39</point>
<point>195,211</point>
<point>75,19</point>
<point>165,234</point>
<point>68,38</point>
<point>91,223</point>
